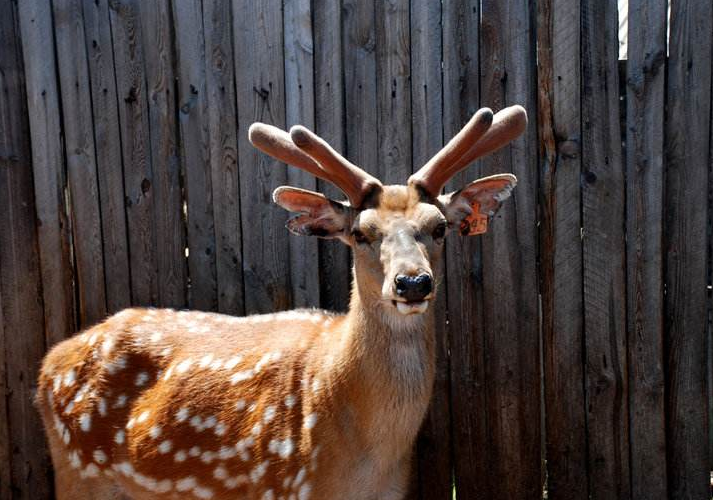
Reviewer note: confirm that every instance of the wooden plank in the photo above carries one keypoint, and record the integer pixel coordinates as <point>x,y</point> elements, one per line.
<point>687,132</point>
<point>334,257</point>
<point>299,109</point>
<point>24,464</point>
<point>433,462</point>
<point>646,53</point>
<point>53,228</point>
<point>509,253</point>
<point>195,152</point>
<point>134,126</point>
<point>257,28</point>
<point>559,79</point>
<point>604,255</point>
<point>222,123</point>
<point>360,95</point>
<point>75,95</point>
<point>393,90</point>
<point>169,231</point>
<point>461,98</point>
<point>98,41</point>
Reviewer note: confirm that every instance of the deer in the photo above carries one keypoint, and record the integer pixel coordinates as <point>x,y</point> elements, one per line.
<point>294,405</point>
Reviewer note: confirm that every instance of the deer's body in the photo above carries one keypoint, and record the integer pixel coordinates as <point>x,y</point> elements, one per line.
<point>298,405</point>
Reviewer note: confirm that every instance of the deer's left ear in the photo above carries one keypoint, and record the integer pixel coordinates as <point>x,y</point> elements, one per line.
<point>469,209</point>
<point>315,214</point>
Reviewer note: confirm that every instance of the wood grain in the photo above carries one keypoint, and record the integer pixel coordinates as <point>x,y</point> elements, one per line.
<point>687,133</point>
<point>257,28</point>
<point>225,176</point>
<point>107,143</point>
<point>559,80</point>
<point>509,253</point>
<point>604,255</point>
<point>646,53</point>
<point>329,115</point>
<point>195,153</point>
<point>299,109</point>
<point>77,125</point>
<point>24,465</point>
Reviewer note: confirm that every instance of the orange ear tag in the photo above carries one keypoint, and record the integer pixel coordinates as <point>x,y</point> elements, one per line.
<point>475,223</point>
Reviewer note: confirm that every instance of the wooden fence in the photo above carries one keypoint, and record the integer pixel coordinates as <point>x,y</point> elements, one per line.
<point>574,352</point>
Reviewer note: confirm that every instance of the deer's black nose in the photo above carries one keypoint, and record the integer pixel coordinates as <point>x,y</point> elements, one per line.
<point>413,288</point>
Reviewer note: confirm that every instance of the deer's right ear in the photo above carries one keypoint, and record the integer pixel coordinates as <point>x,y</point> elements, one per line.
<point>315,214</point>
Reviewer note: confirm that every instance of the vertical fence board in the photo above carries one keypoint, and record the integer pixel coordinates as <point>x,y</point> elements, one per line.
<point>561,247</point>
<point>107,141</point>
<point>604,254</point>
<point>53,228</point>
<point>78,131</point>
<point>393,91</point>
<point>220,89</point>
<point>169,231</point>
<point>360,95</point>
<point>334,257</point>
<point>433,447</point>
<point>24,465</point>
<point>687,164</point>
<point>260,90</point>
<point>461,96</point>
<point>299,109</point>
<point>646,52</point>
<point>135,143</point>
<point>195,153</point>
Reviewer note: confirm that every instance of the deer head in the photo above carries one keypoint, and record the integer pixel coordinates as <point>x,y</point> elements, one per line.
<point>396,232</point>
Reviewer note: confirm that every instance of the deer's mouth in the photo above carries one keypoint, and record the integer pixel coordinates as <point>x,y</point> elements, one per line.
<point>413,307</point>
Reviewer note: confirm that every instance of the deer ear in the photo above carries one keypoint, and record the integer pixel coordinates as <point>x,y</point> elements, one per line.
<point>315,214</point>
<point>471,208</point>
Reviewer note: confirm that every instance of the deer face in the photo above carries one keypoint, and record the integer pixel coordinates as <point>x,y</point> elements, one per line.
<point>396,232</point>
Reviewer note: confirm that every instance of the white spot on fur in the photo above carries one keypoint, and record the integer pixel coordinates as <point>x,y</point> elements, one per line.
<point>165,447</point>
<point>164,486</point>
<point>169,372</point>
<point>130,423</point>
<point>268,495</point>
<point>155,337</point>
<point>141,379</point>
<point>114,366</point>
<point>269,415</point>
<point>210,422</point>
<point>74,459</point>
<point>100,457</point>
<point>310,421</point>
<point>259,471</point>
<point>241,376</point>
<point>107,346</point>
<point>165,352</point>
<point>196,422</point>
<point>205,361</point>
<point>226,452</point>
<point>184,366</point>
<point>120,401</point>
<point>119,437</point>
<point>180,456</point>
<point>142,417</point>
<point>234,482</point>
<point>195,451</point>
<point>290,401</point>
<point>182,414</point>
<point>69,408</point>
<point>217,364</point>
<point>203,492</point>
<point>101,406</point>
<point>70,378</point>
<point>257,429</point>
<point>304,492</point>
<point>155,431</point>
<point>301,474</point>
<point>316,385</point>
<point>233,362</point>
<point>85,422</point>
<point>283,448</point>
<point>91,470</point>
<point>207,457</point>
<point>220,429</point>
<point>92,339</point>
<point>185,484</point>
<point>220,473</point>
<point>240,405</point>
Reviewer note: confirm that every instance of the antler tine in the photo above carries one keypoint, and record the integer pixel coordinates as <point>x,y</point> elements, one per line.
<point>434,174</point>
<point>507,124</point>
<point>355,182</point>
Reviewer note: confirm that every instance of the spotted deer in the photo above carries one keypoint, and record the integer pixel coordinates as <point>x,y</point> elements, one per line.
<point>298,405</point>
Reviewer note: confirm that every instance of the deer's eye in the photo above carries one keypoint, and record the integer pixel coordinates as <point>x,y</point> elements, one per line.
<point>359,237</point>
<point>440,231</point>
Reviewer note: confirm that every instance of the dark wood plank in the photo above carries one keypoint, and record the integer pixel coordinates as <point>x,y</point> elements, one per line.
<point>559,79</point>
<point>195,153</point>
<point>98,41</point>
<point>433,460</point>
<point>299,109</point>
<point>393,90</point>
<point>53,227</point>
<point>169,231</point>
<point>646,53</point>
<point>687,133</point>
<point>360,94</point>
<point>461,98</point>
<point>509,253</point>
<point>24,464</point>
<point>225,177</point>
<point>334,257</point>
<point>257,28</point>
<point>136,149</point>
<point>604,255</point>
<point>75,95</point>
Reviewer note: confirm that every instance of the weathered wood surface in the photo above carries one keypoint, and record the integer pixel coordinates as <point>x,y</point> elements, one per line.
<point>687,132</point>
<point>559,80</point>
<point>606,382</point>
<point>24,464</point>
<point>644,254</point>
<point>77,125</point>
